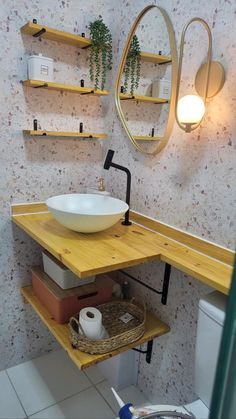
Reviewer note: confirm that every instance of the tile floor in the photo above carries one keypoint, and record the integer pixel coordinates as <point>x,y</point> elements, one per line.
<point>52,387</point>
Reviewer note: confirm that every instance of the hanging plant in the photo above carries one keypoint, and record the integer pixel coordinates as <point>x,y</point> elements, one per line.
<point>132,66</point>
<point>100,60</point>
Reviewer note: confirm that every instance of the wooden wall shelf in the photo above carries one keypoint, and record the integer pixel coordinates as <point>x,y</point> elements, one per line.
<point>65,87</point>
<point>55,35</point>
<point>121,246</point>
<point>155,58</point>
<point>154,328</point>
<point>146,138</point>
<point>41,133</point>
<point>140,98</point>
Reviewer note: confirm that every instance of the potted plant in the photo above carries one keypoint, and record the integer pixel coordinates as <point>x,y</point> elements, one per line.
<point>132,66</point>
<point>100,60</point>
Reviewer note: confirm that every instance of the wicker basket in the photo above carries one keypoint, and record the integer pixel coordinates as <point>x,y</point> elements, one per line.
<point>120,333</point>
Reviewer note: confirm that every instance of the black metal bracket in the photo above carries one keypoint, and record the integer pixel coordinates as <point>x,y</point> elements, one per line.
<point>165,284</point>
<point>129,98</point>
<point>86,46</point>
<point>166,62</point>
<point>148,352</point>
<point>41,85</point>
<point>87,93</point>
<point>39,33</point>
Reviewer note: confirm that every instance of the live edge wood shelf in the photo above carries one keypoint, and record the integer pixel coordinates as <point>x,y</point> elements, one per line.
<point>40,133</point>
<point>65,87</point>
<point>55,35</point>
<point>154,328</point>
<point>121,246</point>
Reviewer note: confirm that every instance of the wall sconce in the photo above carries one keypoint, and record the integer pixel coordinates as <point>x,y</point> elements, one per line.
<point>190,109</point>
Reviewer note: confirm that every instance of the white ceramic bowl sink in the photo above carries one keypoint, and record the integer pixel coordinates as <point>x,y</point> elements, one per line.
<point>86,213</point>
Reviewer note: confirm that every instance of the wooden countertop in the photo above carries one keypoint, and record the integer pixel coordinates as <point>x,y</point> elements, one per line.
<point>122,246</point>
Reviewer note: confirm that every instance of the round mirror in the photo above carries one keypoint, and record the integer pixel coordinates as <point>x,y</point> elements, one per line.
<point>145,90</point>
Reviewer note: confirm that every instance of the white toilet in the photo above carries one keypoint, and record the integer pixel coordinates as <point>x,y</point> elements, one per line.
<point>211,316</point>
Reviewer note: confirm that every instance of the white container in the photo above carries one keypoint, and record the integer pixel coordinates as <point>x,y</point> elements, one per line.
<point>40,68</point>
<point>61,274</point>
<point>161,88</point>
<point>121,370</point>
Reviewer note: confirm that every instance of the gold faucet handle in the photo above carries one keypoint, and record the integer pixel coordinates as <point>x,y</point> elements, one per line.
<point>101,186</point>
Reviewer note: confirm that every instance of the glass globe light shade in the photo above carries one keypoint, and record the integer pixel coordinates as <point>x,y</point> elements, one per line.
<point>190,109</point>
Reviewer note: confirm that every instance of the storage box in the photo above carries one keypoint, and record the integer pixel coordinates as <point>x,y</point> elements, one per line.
<point>62,304</point>
<point>40,68</point>
<point>61,274</point>
<point>161,89</point>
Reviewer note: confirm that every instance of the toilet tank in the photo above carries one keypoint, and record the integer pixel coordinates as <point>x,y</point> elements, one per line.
<point>211,316</point>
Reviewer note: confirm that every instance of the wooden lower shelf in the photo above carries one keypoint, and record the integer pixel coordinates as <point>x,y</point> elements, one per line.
<point>37,84</point>
<point>154,328</point>
<point>41,133</point>
<point>140,98</point>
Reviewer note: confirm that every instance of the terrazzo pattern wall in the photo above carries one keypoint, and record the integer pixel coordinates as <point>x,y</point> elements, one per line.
<point>32,169</point>
<point>190,185</point>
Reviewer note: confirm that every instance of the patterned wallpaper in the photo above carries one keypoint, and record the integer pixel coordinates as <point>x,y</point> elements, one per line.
<point>33,169</point>
<point>190,184</point>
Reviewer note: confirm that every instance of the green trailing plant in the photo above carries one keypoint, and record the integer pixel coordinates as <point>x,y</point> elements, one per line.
<point>100,60</point>
<point>132,66</point>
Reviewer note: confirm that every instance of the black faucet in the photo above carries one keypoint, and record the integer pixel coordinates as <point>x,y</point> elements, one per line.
<point>107,164</point>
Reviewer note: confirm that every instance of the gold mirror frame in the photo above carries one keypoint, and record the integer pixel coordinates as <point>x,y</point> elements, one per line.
<point>174,62</point>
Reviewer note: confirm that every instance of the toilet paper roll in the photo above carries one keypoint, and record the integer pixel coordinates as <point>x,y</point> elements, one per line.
<point>90,319</point>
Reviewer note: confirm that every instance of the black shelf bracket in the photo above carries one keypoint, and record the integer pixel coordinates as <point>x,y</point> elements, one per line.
<point>165,62</point>
<point>41,85</point>
<point>39,33</point>
<point>86,46</point>
<point>148,352</point>
<point>87,93</point>
<point>165,284</point>
<point>129,98</point>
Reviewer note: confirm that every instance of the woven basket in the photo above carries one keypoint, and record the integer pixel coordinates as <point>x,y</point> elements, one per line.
<point>120,333</point>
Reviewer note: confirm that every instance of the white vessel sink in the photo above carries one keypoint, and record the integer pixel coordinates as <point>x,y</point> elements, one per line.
<point>86,213</point>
